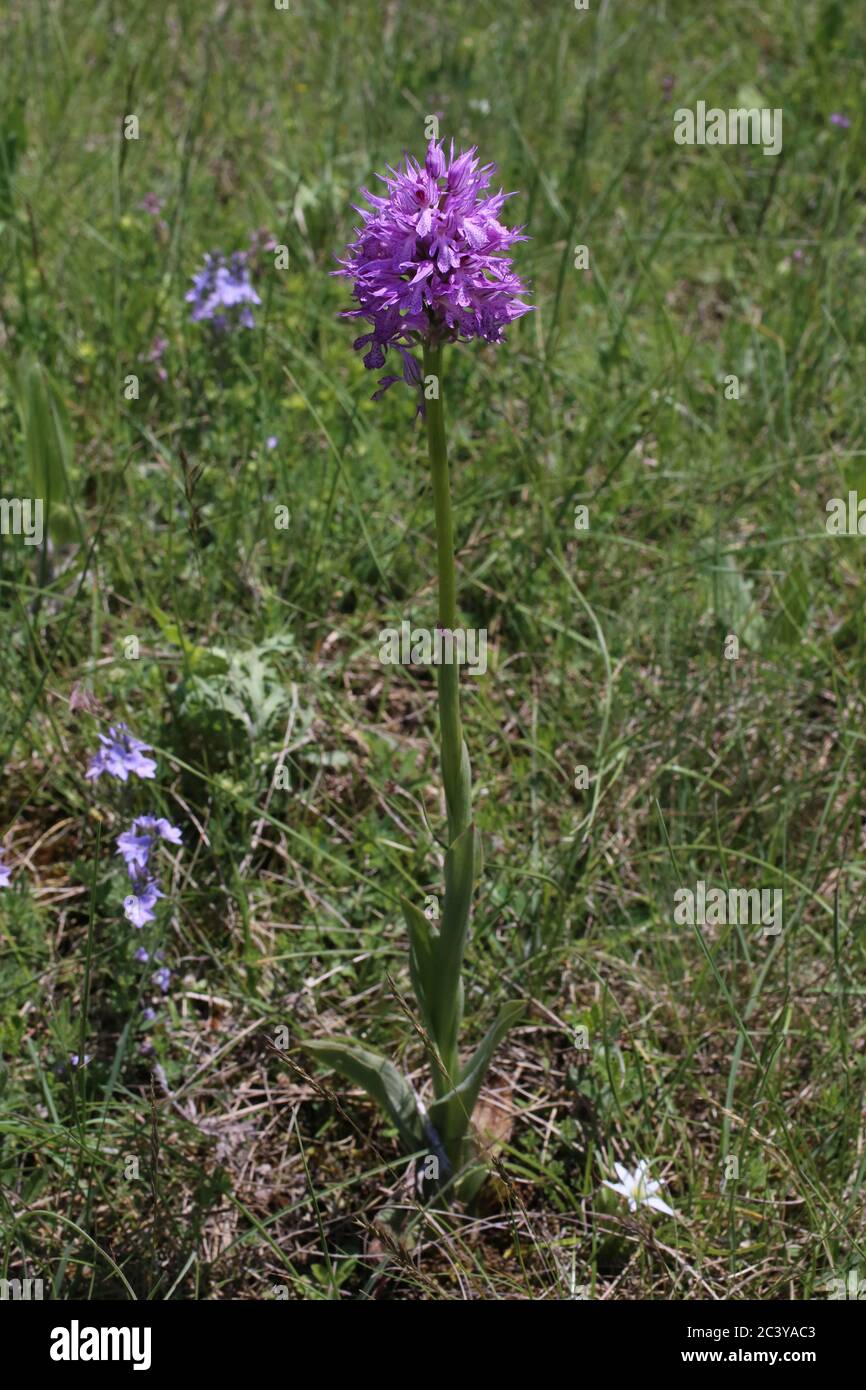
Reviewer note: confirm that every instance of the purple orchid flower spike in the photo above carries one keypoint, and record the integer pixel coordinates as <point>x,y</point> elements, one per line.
<point>430,263</point>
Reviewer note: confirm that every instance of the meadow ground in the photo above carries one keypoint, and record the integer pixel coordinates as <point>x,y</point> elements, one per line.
<point>202,1154</point>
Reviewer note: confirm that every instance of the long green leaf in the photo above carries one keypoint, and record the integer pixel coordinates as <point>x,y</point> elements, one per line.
<point>451,1114</point>
<point>13,142</point>
<point>421,960</point>
<point>451,942</point>
<point>48,446</point>
<point>380,1079</point>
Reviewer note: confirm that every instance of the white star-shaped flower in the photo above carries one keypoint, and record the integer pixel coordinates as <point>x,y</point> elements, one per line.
<point>639,1188</point>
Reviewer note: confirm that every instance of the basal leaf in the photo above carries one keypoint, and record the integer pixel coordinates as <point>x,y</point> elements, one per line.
<point>380,1079</point>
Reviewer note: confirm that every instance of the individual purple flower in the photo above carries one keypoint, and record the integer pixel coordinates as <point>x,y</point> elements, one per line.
<point>141,955</point>
<point>841,121</point>
<point>152,204</point>
<point>431,262</point>
<point>262,240</point>
<point>76,1061</point>
<point>138,906</point>
<point>164,829</point>
<point>222,294</point>
<point>135,850</point>
<point>5,871</point>
<point>135,844</point>
<point>148,1014</point>
<point>271,442</point>
<point>121,754</point>
<point>162,978</point>
<point>157,348</point>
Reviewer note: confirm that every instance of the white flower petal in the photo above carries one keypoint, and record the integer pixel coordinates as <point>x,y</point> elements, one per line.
<point>617,1187</point>
<point>658,1205</point>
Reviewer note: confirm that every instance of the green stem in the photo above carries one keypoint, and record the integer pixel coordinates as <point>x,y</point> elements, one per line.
<point>456,773</point>
<point>455,763</point>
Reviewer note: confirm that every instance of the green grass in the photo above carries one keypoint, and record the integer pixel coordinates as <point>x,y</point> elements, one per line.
<point>706,518</point>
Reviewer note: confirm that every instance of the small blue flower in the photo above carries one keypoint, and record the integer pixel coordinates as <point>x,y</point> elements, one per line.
<point>120,755</point>
<point>138,907</point>
<point>135,850</point>
<point>136,847</point>
<point>222,294</point>
<point>162,978</point>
